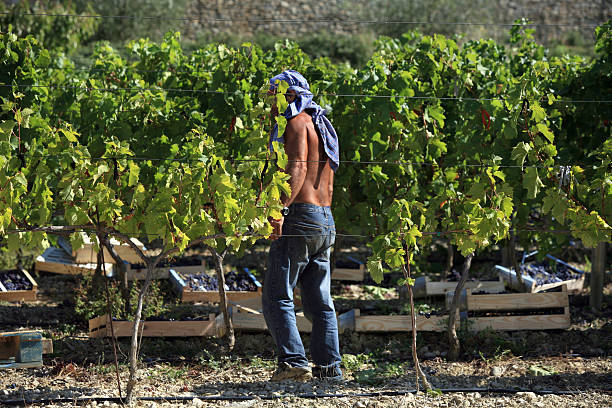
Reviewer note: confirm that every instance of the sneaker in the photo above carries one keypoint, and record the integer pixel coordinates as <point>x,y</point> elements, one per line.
<point>285,372</point>
<point>332,373</point>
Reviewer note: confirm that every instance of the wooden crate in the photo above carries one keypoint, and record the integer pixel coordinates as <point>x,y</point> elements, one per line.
<point>188,295</point>
<point>23,349</point>
<point>88,254</point>
<point>518,303</point>
<point>19,295</point>
<point>56,260</point>
<point>423,286</point>
<point>163,272</point>
<point>531,286</point>
<point>349,274</point>
<point>398,323</point>
<point>247,319</point>
<point>100,327</point>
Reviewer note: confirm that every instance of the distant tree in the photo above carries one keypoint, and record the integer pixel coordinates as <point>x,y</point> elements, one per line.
<point>139,18</point>
<point>63,33</point>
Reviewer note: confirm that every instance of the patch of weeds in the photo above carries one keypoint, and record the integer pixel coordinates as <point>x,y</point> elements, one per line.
<point>488,344</point>
<point>207,359</point>
<point>258,362</point>
<point>380,374</point>
<point>168,372</point>
<point>355,362</point>
<point>106,368</point>
<point>497,355</point>
<point>537,370</point>
<point>434,392</point>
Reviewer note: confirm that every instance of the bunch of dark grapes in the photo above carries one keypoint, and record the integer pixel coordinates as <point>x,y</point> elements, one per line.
<point>15,280</point>
<point>542,273</point>
<point>239,281</point>
<point>202,282</point>
<point>564,273</point>
<point>234,281</point>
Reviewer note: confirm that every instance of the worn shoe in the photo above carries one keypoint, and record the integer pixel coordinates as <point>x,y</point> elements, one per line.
<point>285,372</point>
<point>327,373</point>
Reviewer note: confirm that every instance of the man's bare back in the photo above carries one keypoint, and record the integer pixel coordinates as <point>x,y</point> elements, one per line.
<point>312,178</point>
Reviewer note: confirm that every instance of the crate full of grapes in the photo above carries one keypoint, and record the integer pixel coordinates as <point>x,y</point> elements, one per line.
<point>17,285</point>
<point>203,287</point>
<point>542,275</point>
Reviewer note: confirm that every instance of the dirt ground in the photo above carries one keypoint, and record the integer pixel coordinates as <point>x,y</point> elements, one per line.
<point>505,369</point>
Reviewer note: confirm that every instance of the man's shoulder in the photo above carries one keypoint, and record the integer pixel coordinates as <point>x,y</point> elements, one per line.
<point>302,116</point>
<point>299,121</point>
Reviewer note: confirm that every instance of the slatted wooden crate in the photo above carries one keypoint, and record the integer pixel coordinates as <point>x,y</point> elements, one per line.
<point>188,295</point>
<point>247,319</point>
<point>23,349</point>
<point>101,327</point>
<point>19,295</point>
<point>349,274</point>
<point>345,273</point>
<point>423,286</point>
<point>56,260</point>
<point>501,305</point>
<point>88,254</point>
<point>398,323</point>
<point>163,272</point>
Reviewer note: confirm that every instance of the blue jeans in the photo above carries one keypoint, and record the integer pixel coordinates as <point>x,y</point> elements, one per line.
<point>301,256</point>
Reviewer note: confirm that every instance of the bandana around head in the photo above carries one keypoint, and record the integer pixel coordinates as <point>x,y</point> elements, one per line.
<point>303,101</point>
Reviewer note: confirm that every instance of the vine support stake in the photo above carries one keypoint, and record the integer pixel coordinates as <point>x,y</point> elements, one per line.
<point>597,276</point>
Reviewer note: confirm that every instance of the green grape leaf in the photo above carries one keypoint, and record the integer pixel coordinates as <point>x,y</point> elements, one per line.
<point>376,270</point>
<point>532,182</point>
<point>519,153</point>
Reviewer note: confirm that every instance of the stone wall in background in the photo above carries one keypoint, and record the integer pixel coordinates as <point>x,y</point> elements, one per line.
<point>570,12</point>
<point>230,16</point>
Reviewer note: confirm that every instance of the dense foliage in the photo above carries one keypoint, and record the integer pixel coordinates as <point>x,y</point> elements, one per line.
<point>437,138</point>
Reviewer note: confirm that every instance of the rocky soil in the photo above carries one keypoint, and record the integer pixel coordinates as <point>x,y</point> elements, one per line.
<point>586,377</point>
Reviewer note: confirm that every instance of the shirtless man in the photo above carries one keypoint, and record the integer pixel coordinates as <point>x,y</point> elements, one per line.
<point>302,241</point>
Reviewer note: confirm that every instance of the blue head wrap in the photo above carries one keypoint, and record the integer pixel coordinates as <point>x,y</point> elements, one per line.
<point>303,101</point>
